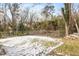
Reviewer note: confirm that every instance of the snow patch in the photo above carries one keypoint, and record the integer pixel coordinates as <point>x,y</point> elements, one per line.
<point>23,46</point>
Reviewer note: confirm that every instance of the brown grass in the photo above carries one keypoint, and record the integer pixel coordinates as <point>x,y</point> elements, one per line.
<point>70,47</point>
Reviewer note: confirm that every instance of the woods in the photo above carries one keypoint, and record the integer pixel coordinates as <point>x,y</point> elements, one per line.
<point>15,20</point>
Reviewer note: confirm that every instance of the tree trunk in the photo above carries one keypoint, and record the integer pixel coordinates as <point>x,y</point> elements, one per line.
<point>66,29</point>
<point>76,25</point>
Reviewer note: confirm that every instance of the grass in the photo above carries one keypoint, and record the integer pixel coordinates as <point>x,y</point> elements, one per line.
<point>70,47</point>
<point>44,43</point>
<point>18,33</point>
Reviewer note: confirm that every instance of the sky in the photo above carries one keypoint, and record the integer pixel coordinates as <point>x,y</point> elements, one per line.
<point>38,7</point>
<point>58,7</point>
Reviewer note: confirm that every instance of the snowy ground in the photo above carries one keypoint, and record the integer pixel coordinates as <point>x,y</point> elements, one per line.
<point>23,46</point>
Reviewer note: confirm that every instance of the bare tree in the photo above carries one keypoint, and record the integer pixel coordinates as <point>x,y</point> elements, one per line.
<point>13,9</point>
<point>66,11</point>
<point>74,12</point>
<point>31,19</point>
<point>25,15</point>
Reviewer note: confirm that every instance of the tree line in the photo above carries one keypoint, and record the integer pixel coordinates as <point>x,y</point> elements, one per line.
<point>14,19</point>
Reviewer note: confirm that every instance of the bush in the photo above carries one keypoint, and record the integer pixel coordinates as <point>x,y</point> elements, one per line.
<point>61,27</point>
<point>0,34</point>
<point>22,28</point>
